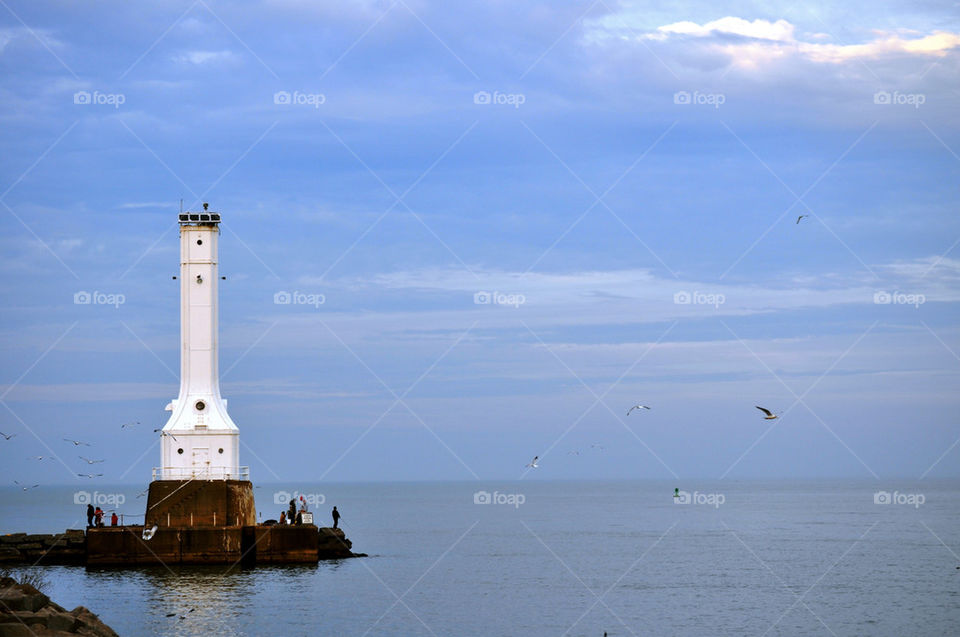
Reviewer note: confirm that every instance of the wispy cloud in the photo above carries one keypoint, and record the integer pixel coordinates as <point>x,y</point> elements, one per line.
<point>203,58</point>
<point>753,43</point>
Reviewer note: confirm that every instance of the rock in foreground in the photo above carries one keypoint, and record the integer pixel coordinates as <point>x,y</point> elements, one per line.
<point>26,612</point>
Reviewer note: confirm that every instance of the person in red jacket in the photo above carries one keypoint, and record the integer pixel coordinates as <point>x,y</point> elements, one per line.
<point>114,519</point>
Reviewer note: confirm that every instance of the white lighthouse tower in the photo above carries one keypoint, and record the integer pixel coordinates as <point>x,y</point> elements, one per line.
<point>199,441</point>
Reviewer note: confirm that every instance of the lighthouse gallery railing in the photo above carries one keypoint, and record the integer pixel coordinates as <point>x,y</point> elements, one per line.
<point>201,473</point>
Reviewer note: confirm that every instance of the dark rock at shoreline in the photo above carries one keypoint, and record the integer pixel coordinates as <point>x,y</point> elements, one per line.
<point>26,612</point>
<point>334,545</point>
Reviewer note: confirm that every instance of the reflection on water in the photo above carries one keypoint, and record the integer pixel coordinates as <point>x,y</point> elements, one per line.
<point>189,600</point>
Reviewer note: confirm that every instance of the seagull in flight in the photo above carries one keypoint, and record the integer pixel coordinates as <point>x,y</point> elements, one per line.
<point>129,424</point>
<point>769,414</point>
<point>7,436</point>
<point>636,407</point>
<point>38,457</point>
<point>25,487</point>
<point>77,443</point>
<point>533,463</point>
<point>148,535</point>
<point>164,433</point>
<point>596,446</point>
<point>801,217</point>
<point>89,461</point>
<point>575,452</point>
<point>89,475</point>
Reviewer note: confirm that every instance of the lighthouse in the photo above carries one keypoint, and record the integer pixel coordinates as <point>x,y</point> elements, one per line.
<point>200,504</point>
<point>200,440</point>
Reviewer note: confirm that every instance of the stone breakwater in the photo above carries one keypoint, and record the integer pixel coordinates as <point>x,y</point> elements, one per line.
<point>69,547</point>
<point>26,612</point>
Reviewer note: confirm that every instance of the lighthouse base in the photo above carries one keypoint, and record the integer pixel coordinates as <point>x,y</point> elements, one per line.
<point>210,522</point>
<point>200,503</point>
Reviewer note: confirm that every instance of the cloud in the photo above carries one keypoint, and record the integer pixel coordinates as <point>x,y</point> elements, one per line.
<point>754,43</point>
<point>202,58</point>
<point>9,35</point>
<point>781,30</point>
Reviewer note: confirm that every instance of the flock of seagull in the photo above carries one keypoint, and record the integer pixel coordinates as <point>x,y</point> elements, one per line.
<point>75,443</point>
<point>533,464</point>
<point>767,415</point>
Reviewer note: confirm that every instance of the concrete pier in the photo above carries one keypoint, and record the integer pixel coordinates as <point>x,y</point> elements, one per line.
<point>125,546</point>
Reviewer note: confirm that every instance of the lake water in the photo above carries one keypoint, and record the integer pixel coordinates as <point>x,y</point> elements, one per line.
<point>573,558</point>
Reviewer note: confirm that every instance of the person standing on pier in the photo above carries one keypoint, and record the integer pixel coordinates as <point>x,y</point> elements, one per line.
<point>114,519</point>
<point>336,517</point>
<point>89,515</point>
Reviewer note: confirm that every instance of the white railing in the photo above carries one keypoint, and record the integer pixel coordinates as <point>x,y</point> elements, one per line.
<point>201,473</point>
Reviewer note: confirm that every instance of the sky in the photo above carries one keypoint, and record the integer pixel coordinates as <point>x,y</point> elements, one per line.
<point>500,224</point>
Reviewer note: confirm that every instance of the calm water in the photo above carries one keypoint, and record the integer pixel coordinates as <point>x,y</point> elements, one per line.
<point>577,558</point>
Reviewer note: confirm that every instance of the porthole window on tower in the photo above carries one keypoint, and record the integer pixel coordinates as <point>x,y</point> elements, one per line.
<point>180,451</point>
<point>220,450</point>
<point>199,242</point>
<point>200,405</point>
